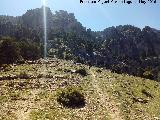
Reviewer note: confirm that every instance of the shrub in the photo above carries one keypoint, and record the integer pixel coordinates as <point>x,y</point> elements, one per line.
<point>29,50</point>
<point>71,97</point>
<point>24,75</point>
<point>99,70</point>
<point>82,71</point>
<point>9,52</point>
<point>49,76</point>
<point>148,74</point>
<point>5,67</point>
<point>147,93</point>
<point>15,95</point>
<point>39,75</point>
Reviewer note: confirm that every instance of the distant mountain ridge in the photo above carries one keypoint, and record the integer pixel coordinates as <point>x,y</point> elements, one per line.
<point>123,49</point>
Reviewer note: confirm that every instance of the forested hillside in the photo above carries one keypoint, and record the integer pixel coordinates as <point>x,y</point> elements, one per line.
<point>123,49</point>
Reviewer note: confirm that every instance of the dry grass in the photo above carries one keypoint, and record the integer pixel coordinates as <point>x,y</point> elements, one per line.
<point>105,93</point>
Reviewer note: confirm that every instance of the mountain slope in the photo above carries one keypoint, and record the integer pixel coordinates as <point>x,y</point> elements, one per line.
<point>28,92</point>
<point>122,49</point>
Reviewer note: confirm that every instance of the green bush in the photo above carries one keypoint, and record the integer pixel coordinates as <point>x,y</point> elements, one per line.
<point>71,97</point>
<point>29,50</point>
<point>15,95</point>
<point>39,75</point>
<point>82,71</point>
<point>17,51</point>
<point>5,67</point>
<point>9,52</point>
<point>24,75</point>
<point>99,70</point>
<point>148,74</point>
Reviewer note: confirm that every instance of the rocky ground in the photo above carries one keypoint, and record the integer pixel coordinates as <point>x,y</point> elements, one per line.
<point>28,92</point>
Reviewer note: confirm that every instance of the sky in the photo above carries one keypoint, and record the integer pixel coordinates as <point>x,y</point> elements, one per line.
<point>95,16</point>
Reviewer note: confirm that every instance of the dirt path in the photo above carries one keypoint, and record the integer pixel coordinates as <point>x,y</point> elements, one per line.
<point>106,101</point>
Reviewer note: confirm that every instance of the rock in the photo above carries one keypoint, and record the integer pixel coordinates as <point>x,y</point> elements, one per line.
<point>141,100</point>
<point>156,118</point>
<point>73,71</point>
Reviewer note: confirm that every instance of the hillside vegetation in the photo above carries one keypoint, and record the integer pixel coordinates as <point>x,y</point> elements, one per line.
<point>122,49</point>
<point>29,92</point>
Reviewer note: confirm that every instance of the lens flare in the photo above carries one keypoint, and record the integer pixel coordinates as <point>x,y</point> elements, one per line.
<point>45,28</point>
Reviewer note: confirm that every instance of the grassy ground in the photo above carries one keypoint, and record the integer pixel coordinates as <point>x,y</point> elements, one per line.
<point>31,95</point>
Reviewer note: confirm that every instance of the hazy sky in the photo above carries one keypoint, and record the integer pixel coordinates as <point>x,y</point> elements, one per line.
<point>94,16</point>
